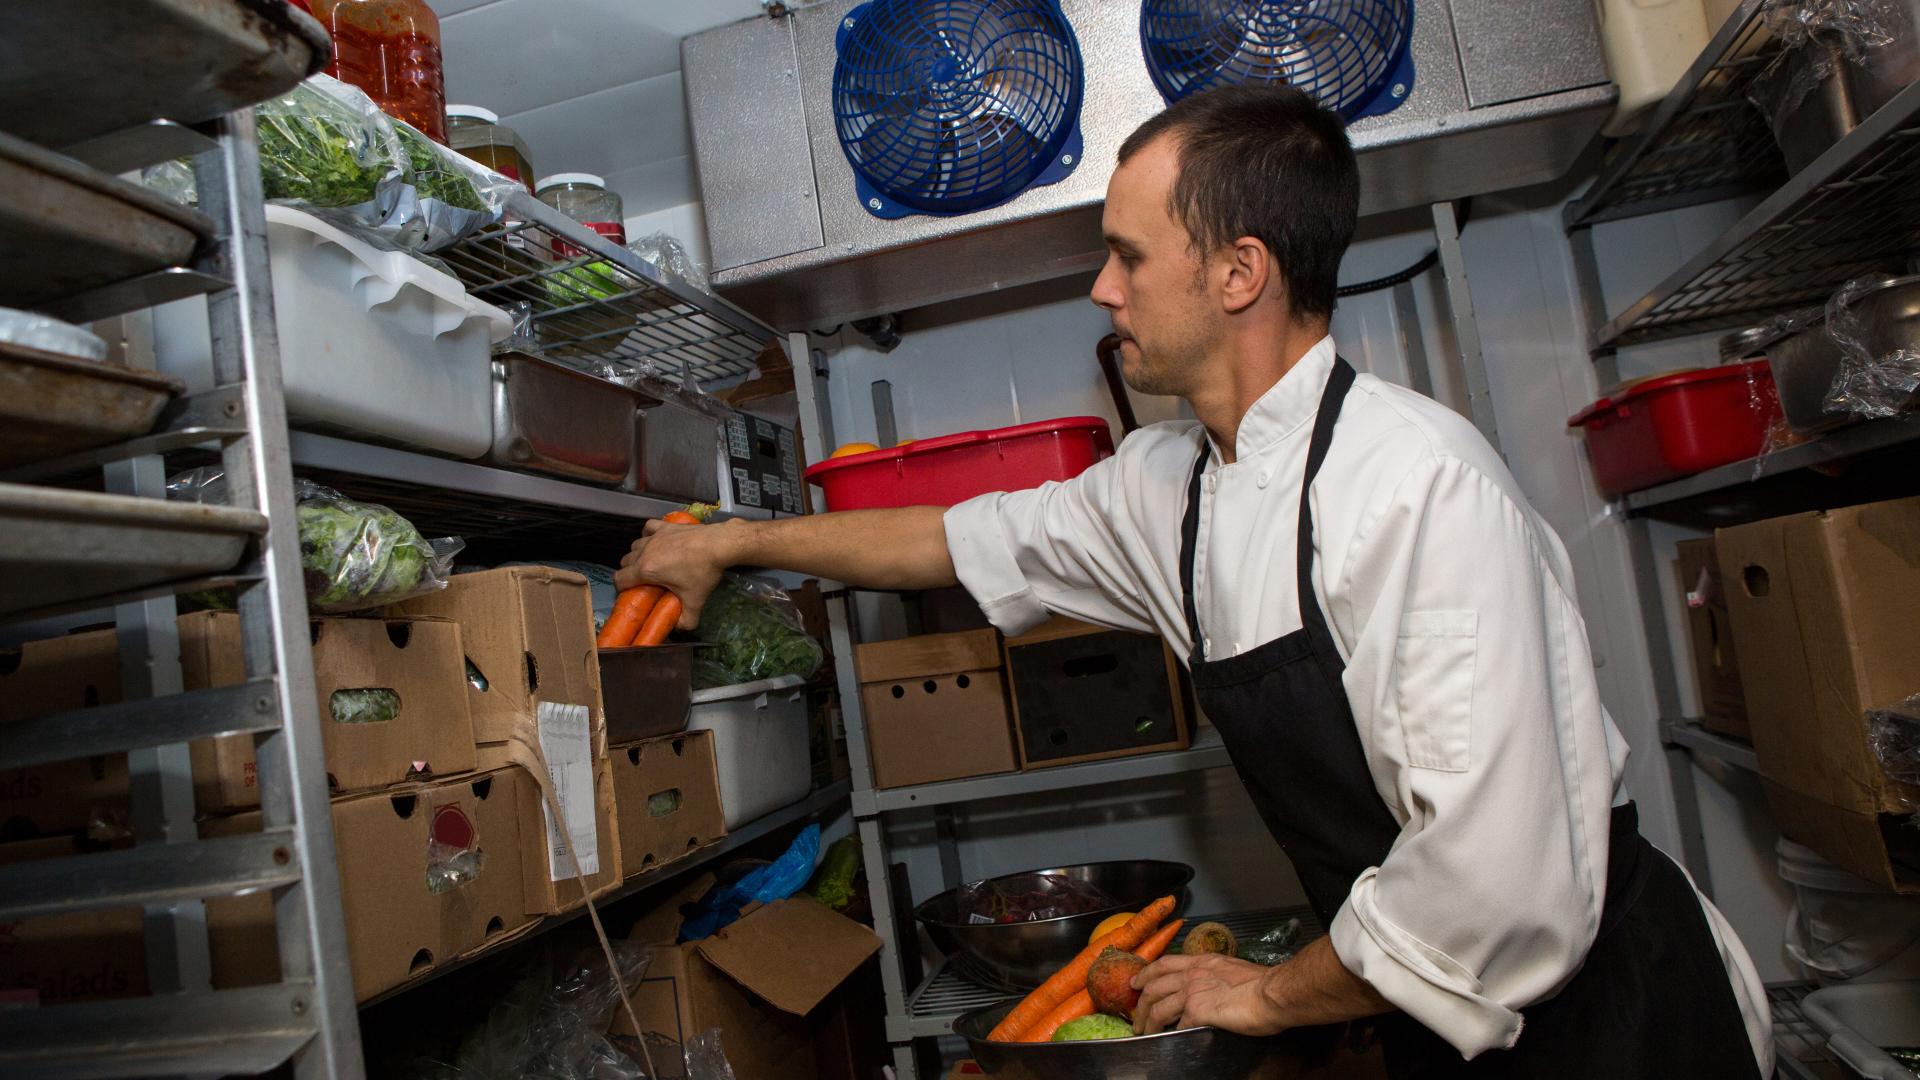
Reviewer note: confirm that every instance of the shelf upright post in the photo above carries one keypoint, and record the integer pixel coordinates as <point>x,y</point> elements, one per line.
<point>815,422</point>
<point>1466,325</point>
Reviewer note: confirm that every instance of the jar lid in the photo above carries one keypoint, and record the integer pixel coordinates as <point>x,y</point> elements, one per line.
<point>557,179</point>
<point>473,112</point>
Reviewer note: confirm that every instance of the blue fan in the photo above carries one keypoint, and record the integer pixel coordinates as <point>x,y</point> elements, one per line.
<point>1351,55</point>
<point>952,106</point>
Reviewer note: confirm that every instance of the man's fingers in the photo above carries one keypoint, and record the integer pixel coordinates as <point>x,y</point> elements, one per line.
<point>1163,1014</point>
<point>1166,965</point>
<point>689,616</point>
<point>653,525</point>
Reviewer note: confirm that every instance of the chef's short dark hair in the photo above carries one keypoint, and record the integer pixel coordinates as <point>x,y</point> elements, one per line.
<point>1270,163</point>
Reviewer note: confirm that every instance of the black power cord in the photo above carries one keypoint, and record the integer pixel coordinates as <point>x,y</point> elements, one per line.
<point>1426,263</point>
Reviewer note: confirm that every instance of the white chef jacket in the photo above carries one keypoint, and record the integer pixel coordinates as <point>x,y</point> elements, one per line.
<point>1467,669</point>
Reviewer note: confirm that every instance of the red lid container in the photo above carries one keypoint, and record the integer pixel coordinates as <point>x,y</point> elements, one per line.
<point>951,469</point>
<point>1680,424</point>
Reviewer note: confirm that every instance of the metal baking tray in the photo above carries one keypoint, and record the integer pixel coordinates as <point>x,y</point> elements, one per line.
<point>553,419</point>
<point>61,548</point>
<point>70,228</point>
<point>648,690</point>
<point>52,404</point>
<point>71,70</point>
<point>1804,363</point>
<point>676,453</point>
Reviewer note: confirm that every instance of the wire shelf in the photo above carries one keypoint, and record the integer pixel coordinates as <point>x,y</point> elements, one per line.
<point>1799,1048</point>
<point>1705,141</point>
<point>946,994</point>
<point>595,302</point>
<point>1853,212</point>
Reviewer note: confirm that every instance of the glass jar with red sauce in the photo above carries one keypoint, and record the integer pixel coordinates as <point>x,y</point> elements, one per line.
<point>391,50</point>
<point>584,198</point>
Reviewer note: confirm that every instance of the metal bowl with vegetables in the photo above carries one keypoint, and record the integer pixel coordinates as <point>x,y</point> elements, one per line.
<point>990,930</point>
<point>1170,1055</point>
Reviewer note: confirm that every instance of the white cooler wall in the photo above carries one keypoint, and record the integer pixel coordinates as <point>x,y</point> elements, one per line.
<point>1027,354</point>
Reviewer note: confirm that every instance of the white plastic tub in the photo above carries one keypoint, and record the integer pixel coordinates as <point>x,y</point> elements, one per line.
<point>372,342</point>
<point>760,744</point>
<point>1842,928</point>
<point>1859,1019</point>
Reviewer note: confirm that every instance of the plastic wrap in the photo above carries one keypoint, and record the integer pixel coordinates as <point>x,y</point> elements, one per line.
<point>1867,385</point>
<point>449,867</point>
<point>551,1024</point>
<point>1276,946</point>
<point>705,1058</point>
<point>1029,898</point>
<point>356,556</point>
<point>35,331</point>
<point>173,179</point>
<point>667,253</point>
<point>756,633</point>
<point>1894,735</point>
<point>1816,36</point>
<point>326,148</point>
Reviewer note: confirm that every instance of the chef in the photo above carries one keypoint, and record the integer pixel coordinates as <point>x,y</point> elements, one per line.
<point>1382,629</point>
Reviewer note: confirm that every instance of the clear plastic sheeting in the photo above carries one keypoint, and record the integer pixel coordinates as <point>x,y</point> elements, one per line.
<point>705,1059</point>
<point>33,330</point>
<point>551,1025</point>
<point>1816,37</point>
<point>1871,383</point>
<point>756,634</point>
<point>668,254</point>
<point>1894,735</point>
<point>449,867</point>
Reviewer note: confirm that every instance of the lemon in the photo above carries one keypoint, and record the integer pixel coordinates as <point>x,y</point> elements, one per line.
<point>1109,925</point>
<point>853,448</point>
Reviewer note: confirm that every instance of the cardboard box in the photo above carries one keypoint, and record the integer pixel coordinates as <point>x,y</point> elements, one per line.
<point>420,661</point>
<point>56,959</point>
<point>936,708</point>
<point>761,981</point>
<point>549,885</point>
<point>1716,664</point>
<point>56,675</point>
<point>528,634</point>
<point>667,794</point>
<point>1826,613</point>
<point>1081,693</point>
<point>428,873</point>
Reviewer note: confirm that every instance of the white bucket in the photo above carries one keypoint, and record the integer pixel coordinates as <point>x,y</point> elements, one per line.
<point>1844,928</point>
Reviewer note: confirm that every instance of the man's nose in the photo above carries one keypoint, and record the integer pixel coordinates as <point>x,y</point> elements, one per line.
<point>1106,293</point>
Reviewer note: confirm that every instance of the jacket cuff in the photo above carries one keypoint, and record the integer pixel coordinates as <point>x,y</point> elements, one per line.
<point>984,562</point>
<point>1422,981</point>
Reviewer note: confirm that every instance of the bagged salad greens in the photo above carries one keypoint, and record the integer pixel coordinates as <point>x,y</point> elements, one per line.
<point>355,555</point>
<point>756,634</point>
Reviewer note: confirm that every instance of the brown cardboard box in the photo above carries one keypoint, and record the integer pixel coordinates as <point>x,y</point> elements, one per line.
<point>528,632</point>
<point>56,675</point>
<point>548,883</point>
<point>1081,693</point>
<point>420,661</point>
<point>667,793</point>
<point>428,873</point>
<point>1716,666</point>
<point>1826,611</point>
<point>758,981</point>
<point>85,956</point>
<point>936,708</point>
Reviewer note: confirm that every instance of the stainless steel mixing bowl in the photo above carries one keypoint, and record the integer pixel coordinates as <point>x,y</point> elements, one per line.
<point>1192,1054</point>
<point>1022,955</point>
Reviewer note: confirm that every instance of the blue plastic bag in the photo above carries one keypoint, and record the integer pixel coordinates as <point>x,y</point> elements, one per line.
<point>783,877</point>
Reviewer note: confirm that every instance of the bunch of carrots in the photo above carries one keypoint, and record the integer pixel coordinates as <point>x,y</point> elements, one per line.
<point>646,614</point>
<point>1064,997</point>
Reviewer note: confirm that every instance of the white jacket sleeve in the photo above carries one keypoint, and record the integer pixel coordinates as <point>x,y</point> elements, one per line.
<point>1073,548</point>
<point>1472,661</point>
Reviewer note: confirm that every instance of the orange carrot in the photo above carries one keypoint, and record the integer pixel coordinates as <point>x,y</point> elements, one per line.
<point>1075,1007</point>
<point>1035,1006</point>
<point>660,621</point>
<point>629,614</point>
<point>1156,946</point>
<point>680,517</point>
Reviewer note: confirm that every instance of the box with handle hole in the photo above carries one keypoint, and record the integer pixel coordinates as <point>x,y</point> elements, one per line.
<point>935,708</point>
<point>1082,693</point>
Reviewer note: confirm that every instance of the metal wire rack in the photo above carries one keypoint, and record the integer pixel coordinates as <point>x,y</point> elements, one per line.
<point>1706,141</point>
<point>1853,212</point>
<point>594,302</point>
<point>947,993</point>
<point>1800,1050</point>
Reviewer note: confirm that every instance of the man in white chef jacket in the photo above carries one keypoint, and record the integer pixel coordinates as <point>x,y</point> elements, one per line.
<point>1382,628</point>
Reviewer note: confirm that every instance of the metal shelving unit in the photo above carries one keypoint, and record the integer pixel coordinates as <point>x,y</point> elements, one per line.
<point>185,1027</point>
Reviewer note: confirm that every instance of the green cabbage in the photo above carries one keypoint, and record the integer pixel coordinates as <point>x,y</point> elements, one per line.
<point>1097,1026</point>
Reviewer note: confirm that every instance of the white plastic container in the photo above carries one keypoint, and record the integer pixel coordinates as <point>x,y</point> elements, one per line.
<point>1649,44</point>
<point>760,744</point>
<point>1859,1020</point>
<point>372,342</point>
<point>1843,927</point>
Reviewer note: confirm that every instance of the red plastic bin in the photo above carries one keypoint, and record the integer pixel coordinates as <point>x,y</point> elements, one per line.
<point>1680,424</point>
<point>951,469</point>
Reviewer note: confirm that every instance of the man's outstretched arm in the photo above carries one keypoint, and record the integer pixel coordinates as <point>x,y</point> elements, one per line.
<point>903,548</point>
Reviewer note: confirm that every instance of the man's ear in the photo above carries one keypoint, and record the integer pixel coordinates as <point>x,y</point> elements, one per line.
<point>1250,272</point>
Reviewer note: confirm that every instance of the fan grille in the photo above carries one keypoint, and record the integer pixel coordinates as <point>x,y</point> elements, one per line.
<point>1342,52</point>
<point>948,106</point>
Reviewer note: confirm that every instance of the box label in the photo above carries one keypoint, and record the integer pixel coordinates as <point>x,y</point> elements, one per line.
<point>566,739</point>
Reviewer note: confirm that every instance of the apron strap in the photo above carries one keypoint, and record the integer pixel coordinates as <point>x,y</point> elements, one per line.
<point>1339,381</point>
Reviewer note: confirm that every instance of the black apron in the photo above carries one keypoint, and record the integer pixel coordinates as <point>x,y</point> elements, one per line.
<point>1652,998</point>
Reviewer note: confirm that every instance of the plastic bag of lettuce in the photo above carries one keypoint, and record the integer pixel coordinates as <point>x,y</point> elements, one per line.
<point>354,556</point>
<point>756,634</point>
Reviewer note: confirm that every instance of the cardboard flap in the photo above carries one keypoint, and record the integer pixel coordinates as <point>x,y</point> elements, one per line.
<point>792,952</point>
